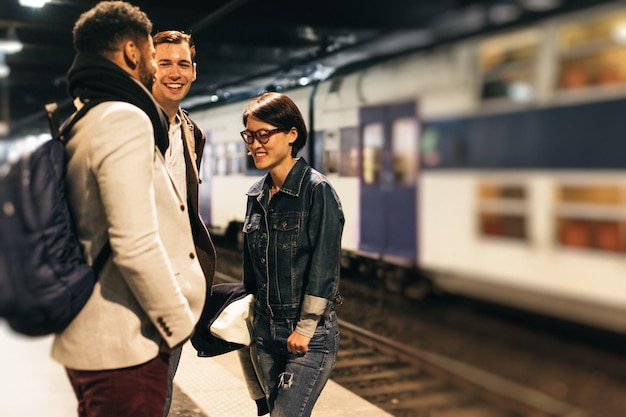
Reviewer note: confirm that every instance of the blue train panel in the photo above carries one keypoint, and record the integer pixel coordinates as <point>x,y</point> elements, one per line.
<point>588,136</point>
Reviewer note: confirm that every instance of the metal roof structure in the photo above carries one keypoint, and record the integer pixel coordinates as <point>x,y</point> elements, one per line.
<point>248,46</point>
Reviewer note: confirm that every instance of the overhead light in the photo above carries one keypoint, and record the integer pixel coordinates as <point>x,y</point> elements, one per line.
<point>540,5</point>
<point>619,33</point>
<point>33,3</point>
<point>501,13</point>
<point>10,44</point>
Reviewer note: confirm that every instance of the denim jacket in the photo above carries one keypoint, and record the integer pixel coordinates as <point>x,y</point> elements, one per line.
<point>292,246</point>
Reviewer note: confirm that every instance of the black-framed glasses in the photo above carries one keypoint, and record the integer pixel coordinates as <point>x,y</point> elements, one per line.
<point>262,135</point>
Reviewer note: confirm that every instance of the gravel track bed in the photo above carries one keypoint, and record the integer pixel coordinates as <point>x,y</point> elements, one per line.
<point>581,366</point>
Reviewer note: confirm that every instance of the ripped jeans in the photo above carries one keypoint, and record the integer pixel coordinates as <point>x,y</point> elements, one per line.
<point>293,383</point>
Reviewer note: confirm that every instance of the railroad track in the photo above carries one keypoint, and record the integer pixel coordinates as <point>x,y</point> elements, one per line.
<point>409,382</point>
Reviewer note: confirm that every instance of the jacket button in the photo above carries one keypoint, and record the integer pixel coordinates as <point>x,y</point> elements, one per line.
<point>182,207</point>
<point>192,255</point>
<point>262,260</point>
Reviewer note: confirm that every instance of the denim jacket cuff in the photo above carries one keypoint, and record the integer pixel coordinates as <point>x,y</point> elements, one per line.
<point>306,326</point>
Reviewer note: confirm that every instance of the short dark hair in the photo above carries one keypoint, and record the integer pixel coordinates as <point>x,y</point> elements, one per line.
<point>279,110</point>
<point>103,28</point>
<point>175,37</point>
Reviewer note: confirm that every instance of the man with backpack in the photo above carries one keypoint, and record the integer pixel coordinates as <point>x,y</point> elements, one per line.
<point>151,291</point>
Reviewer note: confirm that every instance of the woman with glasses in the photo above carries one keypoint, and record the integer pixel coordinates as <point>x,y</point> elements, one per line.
<point>292,248</point>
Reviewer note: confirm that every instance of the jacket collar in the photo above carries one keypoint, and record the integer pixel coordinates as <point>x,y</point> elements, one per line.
<point>293,182</point>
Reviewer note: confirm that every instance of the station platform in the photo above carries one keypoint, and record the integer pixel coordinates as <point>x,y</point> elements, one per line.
<point>32,384</point>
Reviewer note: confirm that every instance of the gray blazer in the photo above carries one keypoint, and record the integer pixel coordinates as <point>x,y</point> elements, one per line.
<point>150,295</point>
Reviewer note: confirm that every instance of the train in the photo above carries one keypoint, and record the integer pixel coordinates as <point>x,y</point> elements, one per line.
<point>491,167</point>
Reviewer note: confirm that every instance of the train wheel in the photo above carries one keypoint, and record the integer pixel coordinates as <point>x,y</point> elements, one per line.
<point>349,265</point>
<point>395,279</point>
<point>419,290</point>
<point>367,268</point>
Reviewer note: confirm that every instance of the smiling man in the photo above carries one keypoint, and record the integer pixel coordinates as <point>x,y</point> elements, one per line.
<point>176,70</point>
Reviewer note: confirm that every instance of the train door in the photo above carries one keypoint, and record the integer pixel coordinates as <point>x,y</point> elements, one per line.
<point>388,180</point>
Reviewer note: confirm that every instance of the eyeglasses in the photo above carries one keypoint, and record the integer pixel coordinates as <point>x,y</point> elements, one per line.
<point>263,136</point>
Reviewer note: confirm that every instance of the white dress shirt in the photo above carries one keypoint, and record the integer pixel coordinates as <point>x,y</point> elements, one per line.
<point>175,158</point>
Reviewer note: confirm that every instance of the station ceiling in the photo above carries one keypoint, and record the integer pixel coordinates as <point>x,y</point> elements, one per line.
<point>248,46</point>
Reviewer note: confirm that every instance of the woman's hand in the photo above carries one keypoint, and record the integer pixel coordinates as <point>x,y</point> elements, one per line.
<point>298,344</point>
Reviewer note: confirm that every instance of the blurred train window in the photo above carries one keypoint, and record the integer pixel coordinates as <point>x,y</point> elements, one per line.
<point>592,53</point>
<point>597,194</point>
<point>349,148</point>
<point>507,65</point>
<point>331,152</point>
<point>592,217</point>
<point>207,167</point>
<point>404,150</point>
<point>341,152</point>
<point>220,159</point>
<point>372,153</point>
<point>229,158</point>
<point>235,152</point>
<point>502,210</point>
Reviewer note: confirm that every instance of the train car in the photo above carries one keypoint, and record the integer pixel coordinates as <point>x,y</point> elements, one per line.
<point>491,167</point>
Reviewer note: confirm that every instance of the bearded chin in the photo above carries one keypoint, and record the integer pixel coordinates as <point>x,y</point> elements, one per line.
<point>148,83</point>
<point>146,77</point>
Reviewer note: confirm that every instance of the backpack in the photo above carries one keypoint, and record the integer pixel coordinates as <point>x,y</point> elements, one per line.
<point>44,277</point>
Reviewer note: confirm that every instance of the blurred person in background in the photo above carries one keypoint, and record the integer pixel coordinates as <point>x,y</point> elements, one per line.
<point>151,291</point>
<point>292,248</point>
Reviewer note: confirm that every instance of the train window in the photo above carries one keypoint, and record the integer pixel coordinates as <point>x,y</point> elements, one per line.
<point>429,145</point>
<point>592,53</point>
<point>235,153</point>
<point>221,163</point>
<point>349,148</point>
<point>592,234</point>
<point>331,152</point>
<point>404,151</point>
<point>372,153</point>
<point>207,167</point>
<point>341,152</point>
<point>597,194</point>
<point>502,211</point>
<point>507,65</point>
<point>592,217</point>
<point>229,158</point>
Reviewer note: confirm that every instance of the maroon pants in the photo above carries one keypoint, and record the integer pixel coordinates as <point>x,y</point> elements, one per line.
<point>138,391</point>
